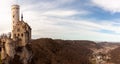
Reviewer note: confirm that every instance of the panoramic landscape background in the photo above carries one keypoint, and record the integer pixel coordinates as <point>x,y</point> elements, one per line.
<point>67,31</point>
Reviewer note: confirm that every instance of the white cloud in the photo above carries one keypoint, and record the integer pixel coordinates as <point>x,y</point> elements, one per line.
<point>44,5</point>
<point>64,13</point>
<point>60,13</point>
<point>105,25</point>
<point>108,5</point>
<point>73,29</point>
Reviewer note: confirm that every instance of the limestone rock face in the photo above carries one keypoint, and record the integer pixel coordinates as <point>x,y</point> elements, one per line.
<point>10,48</point>
<point>26,55</point>
<point>3,54</point>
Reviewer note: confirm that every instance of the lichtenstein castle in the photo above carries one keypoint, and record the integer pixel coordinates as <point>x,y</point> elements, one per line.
<point>16,45</point>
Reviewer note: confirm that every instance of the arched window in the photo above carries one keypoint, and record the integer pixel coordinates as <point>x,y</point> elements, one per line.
<point>18,34</point>
<point>14,35</point>
<point>22,34</point>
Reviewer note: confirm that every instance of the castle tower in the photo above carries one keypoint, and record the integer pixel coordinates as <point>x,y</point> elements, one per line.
<point>18,43</point>
<point>15,14</point>
<point>21,30</point>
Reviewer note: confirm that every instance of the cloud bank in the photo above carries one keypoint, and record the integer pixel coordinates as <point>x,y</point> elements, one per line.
<point>64,19</point>
<point>108,5</point>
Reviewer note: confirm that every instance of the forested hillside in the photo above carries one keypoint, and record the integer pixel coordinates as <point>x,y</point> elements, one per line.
<point>48,51</point>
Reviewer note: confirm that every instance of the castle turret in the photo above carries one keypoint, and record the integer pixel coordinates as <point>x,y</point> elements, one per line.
<point>15,14</point>
<point>21,17</point>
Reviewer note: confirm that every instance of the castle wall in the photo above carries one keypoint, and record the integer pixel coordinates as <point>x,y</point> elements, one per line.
<point>22,32</point>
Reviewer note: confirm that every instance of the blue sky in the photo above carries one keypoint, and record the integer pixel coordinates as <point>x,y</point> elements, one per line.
<point>97,20</point>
